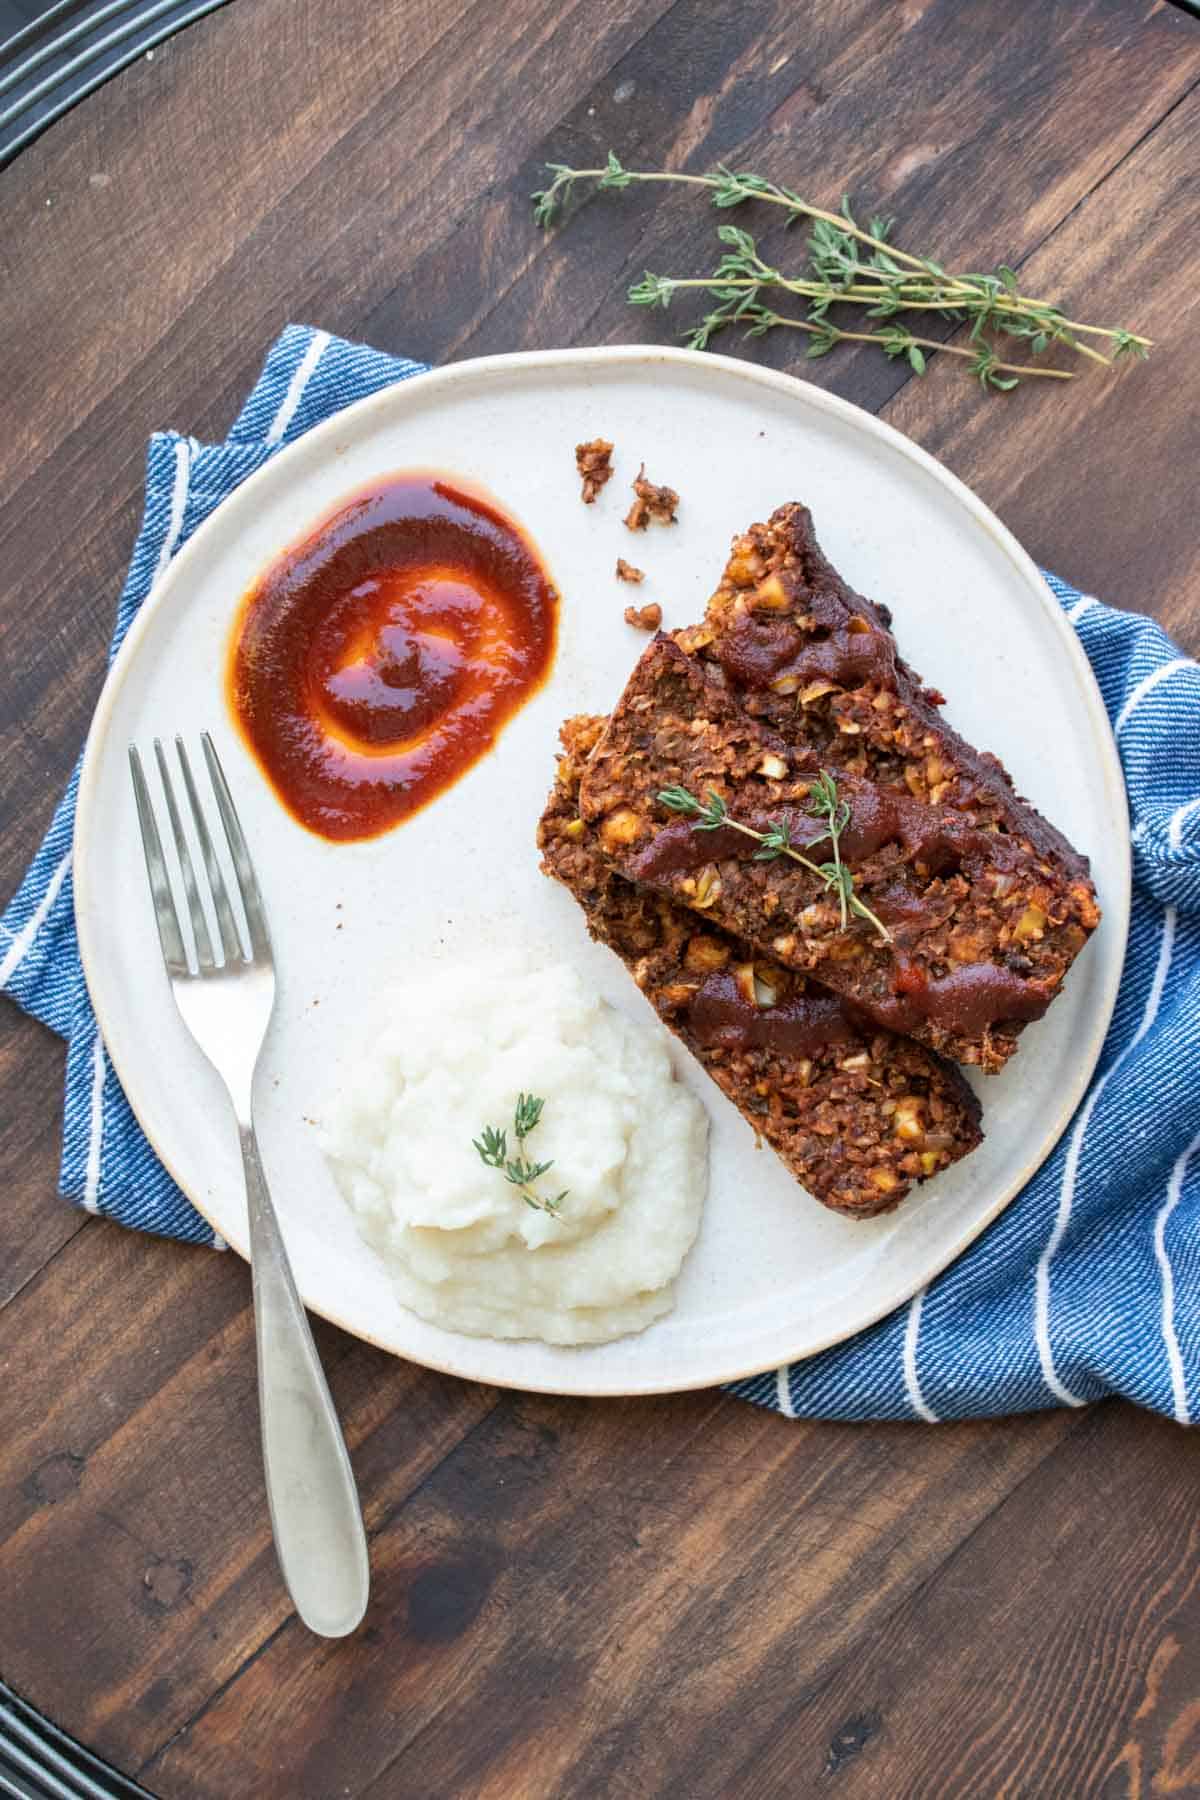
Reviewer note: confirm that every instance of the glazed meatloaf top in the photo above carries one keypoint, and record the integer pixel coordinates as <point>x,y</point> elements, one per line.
<point>818,662</point>
<point>856,1113</point>
<point>980,924</point>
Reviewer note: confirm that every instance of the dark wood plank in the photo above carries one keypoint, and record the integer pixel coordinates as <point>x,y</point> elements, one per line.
<point>566,1611</point>
<point>1096,478</point>
<point>663,1597</point>
<point>34,1224</point>
<point>1056,1652</point>
<point>133,1520</point>
<point>238,110</point>
<point>1021,114</point>
<point>697,86</point>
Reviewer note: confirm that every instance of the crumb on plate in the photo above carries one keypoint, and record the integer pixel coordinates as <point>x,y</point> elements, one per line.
<point>594,462</point>
<point>651,502</point>
<point>627,572</point>
<point>644,618</point>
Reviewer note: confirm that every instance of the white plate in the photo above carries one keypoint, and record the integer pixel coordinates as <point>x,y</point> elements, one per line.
<point>773,1276</point>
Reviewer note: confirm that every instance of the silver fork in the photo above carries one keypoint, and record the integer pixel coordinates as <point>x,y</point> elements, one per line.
<point>225,1001</point>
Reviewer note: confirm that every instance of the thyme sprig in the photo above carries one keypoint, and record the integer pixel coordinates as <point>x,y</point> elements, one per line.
<point>823,801</point>
<point>519,1170</point>
<point>848,263</point>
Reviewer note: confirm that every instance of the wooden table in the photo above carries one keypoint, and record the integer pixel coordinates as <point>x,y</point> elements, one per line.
<point>681,1597</point>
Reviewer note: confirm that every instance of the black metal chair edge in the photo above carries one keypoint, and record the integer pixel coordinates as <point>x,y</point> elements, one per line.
<point>38,1761</point>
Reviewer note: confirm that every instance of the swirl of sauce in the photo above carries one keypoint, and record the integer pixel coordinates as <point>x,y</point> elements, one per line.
<point>376,661</point>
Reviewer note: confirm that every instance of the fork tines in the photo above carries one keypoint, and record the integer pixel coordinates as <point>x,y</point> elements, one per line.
<point>238,947</point>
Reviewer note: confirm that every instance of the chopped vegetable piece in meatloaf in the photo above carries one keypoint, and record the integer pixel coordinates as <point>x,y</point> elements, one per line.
<point>856,1113</point>
<point>982,925</point>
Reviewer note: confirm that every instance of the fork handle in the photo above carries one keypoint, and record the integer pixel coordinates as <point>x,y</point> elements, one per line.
<point>315,1514</point>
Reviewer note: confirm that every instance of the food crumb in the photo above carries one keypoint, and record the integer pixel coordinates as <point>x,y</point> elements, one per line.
<point>627,572</point>
<point>651,502</point>
<point>594,462</point>
<point>644,618</point>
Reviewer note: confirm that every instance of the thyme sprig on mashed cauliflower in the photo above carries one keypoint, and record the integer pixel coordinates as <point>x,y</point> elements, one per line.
<point>519,1170</point>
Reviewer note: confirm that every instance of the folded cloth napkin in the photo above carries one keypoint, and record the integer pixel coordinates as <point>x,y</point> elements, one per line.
<point>1089,1282</point>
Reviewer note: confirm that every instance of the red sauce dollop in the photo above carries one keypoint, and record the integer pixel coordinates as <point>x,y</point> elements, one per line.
<point>372,664</point>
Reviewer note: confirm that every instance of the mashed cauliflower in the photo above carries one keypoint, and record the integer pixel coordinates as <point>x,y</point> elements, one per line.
<point>628,1143</point>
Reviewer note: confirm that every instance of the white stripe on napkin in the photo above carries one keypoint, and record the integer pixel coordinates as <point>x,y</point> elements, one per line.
<point>1174,829</point>
<point>91,1186</point>
<point>1143,831</point>
<point>179,494</point>
<point>1174,1360</point>
<point>783,1392</point>
<point>15,954</point>
<point>1071,1168</point>
<point>916,1398</point>
<point>296,386</point>
<point>1144,687</point>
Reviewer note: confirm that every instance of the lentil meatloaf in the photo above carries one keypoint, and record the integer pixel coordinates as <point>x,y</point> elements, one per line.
<point>818,662</point>
<point>854,1112</point>
<point>982,923</point>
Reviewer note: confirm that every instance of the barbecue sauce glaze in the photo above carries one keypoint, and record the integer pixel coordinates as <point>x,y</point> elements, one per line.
<point>374,662</point>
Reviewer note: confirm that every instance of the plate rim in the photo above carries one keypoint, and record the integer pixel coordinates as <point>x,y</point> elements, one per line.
<point>796,389</point>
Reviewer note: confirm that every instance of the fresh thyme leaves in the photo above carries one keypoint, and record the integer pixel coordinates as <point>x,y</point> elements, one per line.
<point>824,801</point>
<point>707,818</point>
<point>526,1116</point>
<point>519,1170</point>
<point>854,265</point>
<point>548,201</point>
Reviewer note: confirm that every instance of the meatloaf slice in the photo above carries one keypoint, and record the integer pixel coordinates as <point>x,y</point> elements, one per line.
<point>854,1112</point>
<point>818,662</point>
<point>979,926</point>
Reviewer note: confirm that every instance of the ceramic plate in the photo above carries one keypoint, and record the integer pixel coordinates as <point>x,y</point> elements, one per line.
<point>773,1275</point>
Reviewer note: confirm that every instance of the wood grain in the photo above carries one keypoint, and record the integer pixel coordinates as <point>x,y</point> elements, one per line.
<point>1081,90</point>
<point>1101,490</point>
<point>35,1228</point>
<point>678,1597</point>
<point>553,1587</point>
<point>1101,1699</point>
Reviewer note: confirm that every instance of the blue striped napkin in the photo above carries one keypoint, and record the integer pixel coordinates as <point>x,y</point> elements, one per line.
<point>1088,1284</point>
